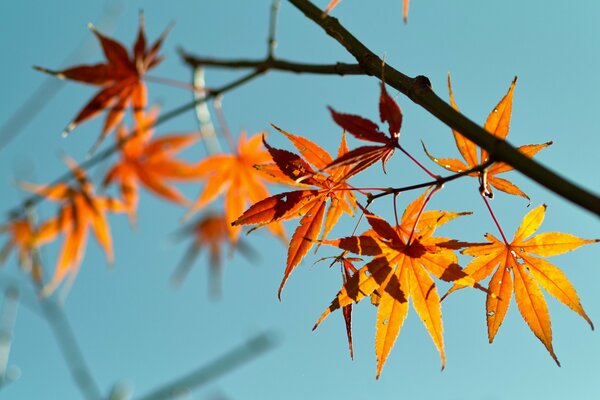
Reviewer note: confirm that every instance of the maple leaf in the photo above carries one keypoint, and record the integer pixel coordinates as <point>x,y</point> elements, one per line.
<point>365,129</point>
<point>497,124</point>
<point>25,239</point>
<point>120,79</point>
<point>236,176</point>
<point>516,267</point>
<point>309,204</point>
<point>80,210</point>
<point>150,162</point>
<point>209,231</point>
<point>405,257</point>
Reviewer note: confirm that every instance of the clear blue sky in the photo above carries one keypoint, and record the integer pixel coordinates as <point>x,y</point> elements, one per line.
<point>134,328</point>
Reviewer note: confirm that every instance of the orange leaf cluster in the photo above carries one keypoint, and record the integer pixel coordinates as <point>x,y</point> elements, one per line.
<point>405,257</point>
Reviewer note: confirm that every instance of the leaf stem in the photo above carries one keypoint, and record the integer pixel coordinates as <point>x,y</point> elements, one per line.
<point>489,207</point>
<point>173,83</point>
<point>434,176</point>
<point>278,64</point>
<point>412,232</point>
<point>439,181</point>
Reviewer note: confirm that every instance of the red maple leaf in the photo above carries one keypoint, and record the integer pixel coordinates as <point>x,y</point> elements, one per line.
<point>120,79</point>
<point>365,129</point>
<point>308,204</point>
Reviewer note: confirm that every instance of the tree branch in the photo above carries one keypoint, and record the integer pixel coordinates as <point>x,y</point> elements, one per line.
<point>240,355</point>
<point>419,90</point>
<point>266,64</point>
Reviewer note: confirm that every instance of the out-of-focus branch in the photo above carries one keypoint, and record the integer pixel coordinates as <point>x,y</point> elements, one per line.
<point>8,315</point>
<point>67,342</point>
<point>271,40</point>
<point>61,329</point>
<point>207,129</point>
<point>51,86</point>
<point>240,355</point>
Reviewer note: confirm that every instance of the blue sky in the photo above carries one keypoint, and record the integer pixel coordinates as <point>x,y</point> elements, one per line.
<point>133,327</point>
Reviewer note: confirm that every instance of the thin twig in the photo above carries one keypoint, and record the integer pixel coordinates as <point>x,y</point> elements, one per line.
<point>207,129</point>
<point>273,64</point>
<point>496,222</point>
<point>8,316</point>
<point>439,182</point>
<point>67,341</point>
<point>272,40</point>
<point>235,358</point>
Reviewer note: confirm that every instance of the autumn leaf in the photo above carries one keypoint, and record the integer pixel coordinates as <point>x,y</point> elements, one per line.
<point>347,269</point>
<point>25,239</point>
<point>80,211</point>
<point>331,6</point>
<point>405,257</point>
<point>235,175</point>
<point>150,162</point>
<point>517,268</point>
<point>120,79</point>
<point>210,232</point>
<point>308,204</point>
<point>367,130</point>
<point>497,124</point>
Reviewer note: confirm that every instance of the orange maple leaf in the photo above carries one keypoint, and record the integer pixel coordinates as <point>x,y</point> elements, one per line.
<point>25,239</point>
<point>404,258</point>
<point>236,176</point>
<point>81,209</point>
<point>497,124</point>
<point>309,204</point>
<point>151,163</point>
<point>516,268</point>
<point>120,79</point>
<point>210,231</point>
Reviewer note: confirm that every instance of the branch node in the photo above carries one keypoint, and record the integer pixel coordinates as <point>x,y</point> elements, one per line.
<point>420,85</point>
